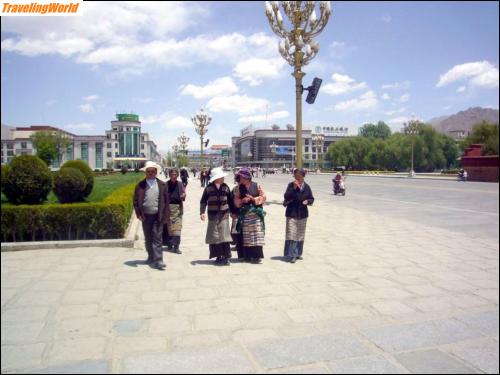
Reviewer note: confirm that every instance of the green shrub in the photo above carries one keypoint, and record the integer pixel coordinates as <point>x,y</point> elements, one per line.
<point>4,174</point>
<point>69,185</point>
<point>28,180</point>
<point>78,221</point>
<point>87,172</point>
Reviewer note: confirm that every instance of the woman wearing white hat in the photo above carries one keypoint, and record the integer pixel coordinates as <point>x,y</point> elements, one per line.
<point>215,200</point>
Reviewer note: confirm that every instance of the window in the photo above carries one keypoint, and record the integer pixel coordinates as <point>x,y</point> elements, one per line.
<point>108,136</point>
<point>116,145</point>
<point>116,136</point>
<point>142,146</point>
<point>108,145</point>
<point>109,154</point>
<point>24,145</point>
<point>10,146</point>
<point>85,152</point>
<point>142,138</point>
<point>10,153</point>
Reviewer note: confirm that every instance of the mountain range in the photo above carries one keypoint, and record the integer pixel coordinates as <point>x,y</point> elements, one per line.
<point>464,120</point>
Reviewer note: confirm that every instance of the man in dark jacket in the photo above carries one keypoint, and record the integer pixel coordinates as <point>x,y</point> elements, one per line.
<point>151,205</point>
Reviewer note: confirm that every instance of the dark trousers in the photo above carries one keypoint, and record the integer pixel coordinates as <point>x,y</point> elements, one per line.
<point>153,231</point>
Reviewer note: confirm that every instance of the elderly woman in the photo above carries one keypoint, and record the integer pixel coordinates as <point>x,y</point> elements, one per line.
<point>177,194</point>
<point>216,197</point>
<point>250,197</point>
<point>298,196</point>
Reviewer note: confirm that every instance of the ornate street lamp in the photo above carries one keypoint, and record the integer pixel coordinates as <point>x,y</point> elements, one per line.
<point>201,121</point>
<point>183,141</point>
<point>411,129</point>
<point>305,26</point>
<point>318,139</point>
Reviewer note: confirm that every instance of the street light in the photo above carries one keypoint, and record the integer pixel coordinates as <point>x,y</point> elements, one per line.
<point>306,25</point>
<point>318,140</point>
<point>201,121</point>
<point>183,141</point>
<point>411,129</point>
<point>273,151</point>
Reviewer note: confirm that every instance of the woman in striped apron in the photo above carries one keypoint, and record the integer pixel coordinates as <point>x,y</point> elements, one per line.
<point>298,196</point>
<point>177,194</point>
<point>249,198</point>
<point>215,200</point>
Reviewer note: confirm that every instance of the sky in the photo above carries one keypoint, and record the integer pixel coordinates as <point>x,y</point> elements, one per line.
<point>379,61</point>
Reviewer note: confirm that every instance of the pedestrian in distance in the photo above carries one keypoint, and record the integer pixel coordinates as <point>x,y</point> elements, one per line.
<point>177,195</point>
<point>249,198</point>
<point>215,200</point>
<point>151,205</point>
<point>298,196</point>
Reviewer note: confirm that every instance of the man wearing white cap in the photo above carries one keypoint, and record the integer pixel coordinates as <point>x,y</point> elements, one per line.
<point>215,200</point>
<point>151,205</point>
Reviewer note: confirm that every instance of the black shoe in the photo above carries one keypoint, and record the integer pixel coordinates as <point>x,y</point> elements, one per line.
<point>159,265</point>
<point>218,260</point>
<point>226,262</point>
<point>149,260</point>
<point>256,261</point>
<point>177,250</point>
<point>300,258</point>
<point>293,260</point>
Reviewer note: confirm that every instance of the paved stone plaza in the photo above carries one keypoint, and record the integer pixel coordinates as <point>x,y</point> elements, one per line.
<point>377,292</point>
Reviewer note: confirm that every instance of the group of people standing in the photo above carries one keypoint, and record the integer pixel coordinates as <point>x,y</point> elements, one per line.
<point>159,205</point>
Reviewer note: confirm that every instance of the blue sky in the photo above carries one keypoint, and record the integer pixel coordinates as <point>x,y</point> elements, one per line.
<point>387,61</point>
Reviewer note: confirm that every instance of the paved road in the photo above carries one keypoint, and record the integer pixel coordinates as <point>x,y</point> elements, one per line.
<point>470,208</point>
<point>380,291</point>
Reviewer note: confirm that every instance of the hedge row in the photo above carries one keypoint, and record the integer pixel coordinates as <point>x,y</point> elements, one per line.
<point>77,221</point>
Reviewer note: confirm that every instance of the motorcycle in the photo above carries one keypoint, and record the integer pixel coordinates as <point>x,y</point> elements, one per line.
<point>338,187</point>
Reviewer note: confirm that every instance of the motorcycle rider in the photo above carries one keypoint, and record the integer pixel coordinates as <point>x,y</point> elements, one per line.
<point>338,183</point>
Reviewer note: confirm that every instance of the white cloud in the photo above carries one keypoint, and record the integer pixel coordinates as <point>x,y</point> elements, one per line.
<point>168,120</point>
<point>386,96</point>
<point>91,98</point>
<point>461,89</point>
<point>241,104</point>
<point>87,108</point>
<point>391,113</point>
<point>221,86</point>
<point>366,101</point>
<point>481,74</point>
<point>179,122</point>
<point>260,118</point>
<point>81,126</point>
<point>404,98</point>
<point>342,84</point>
<point>386,18</point>
<point>404,85</point>
<point>255,70</point>
<point>340,50</point>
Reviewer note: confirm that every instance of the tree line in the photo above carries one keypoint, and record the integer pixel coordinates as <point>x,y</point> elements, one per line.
<point>377,148</point>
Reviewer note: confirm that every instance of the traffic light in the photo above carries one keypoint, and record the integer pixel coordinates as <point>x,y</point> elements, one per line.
<point>206,142</point>
<point>313,90</point>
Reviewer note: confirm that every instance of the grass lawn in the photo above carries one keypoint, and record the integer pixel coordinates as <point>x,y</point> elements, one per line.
<point>103,186</point>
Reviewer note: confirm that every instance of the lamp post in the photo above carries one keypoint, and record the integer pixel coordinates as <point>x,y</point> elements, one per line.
<point>305,26</point>
<point>318,140</point>
<point>201,121</point>
<point>273,151</point>
<point>411,129</point>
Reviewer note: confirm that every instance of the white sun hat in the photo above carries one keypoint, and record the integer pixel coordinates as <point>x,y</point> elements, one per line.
<point>216,174</point>
<point>159,171</point>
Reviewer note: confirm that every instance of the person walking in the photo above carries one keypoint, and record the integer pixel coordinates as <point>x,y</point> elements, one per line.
<point>184,176</point>
<point>215,200</point>
<point>151,206</point>
<point>298,196</point>
<point>250,197</point>
<point>177,195</point>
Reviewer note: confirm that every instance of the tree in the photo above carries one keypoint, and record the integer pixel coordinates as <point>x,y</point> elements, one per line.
<point>381,130</point>
<point>50,145</point>
<point>486,134</point>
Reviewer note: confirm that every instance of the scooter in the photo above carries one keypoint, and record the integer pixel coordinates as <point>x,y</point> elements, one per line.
<point>338,187</point>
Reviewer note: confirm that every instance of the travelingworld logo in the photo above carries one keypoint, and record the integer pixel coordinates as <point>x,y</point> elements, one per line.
<point>41,8</point>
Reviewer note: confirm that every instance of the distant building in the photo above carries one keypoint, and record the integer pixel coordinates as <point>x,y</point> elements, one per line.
<point>275,147</point>
<point>123,144</point>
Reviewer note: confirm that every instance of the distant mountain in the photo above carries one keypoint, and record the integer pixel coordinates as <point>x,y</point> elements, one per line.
<point>464,120</point>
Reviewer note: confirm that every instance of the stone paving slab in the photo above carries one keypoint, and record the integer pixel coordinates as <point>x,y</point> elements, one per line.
<point>356,303</point>
<point>432,362</point>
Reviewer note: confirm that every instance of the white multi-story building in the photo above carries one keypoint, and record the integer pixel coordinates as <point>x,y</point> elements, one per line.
<point>123,144</point>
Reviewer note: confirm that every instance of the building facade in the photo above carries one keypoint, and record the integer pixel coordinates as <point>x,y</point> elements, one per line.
<point>123,145</point>
<point>275,147</point>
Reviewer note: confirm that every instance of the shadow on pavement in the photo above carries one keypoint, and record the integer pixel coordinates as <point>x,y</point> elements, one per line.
<point>283,259</point>
<point>135,263</point>
<point>202,262</point>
